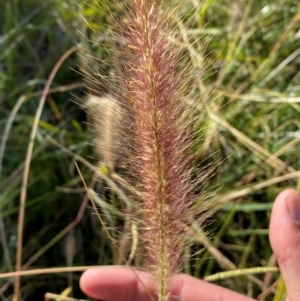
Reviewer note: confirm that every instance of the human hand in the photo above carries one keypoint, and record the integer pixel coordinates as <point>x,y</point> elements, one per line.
<point>121,284</point>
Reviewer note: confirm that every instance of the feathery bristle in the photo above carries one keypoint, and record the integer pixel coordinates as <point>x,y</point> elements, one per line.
<point>150,101</point>
<point>153,79</point>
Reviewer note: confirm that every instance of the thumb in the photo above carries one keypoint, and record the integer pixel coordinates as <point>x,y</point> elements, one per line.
<point>285,239</point>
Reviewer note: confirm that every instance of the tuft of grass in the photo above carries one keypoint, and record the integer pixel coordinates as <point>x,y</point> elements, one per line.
<point>252,50</point>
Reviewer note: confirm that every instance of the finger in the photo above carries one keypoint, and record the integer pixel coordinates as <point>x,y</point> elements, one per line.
<point>116,283</point>
<point>122,284</point>
<point>285,239</point>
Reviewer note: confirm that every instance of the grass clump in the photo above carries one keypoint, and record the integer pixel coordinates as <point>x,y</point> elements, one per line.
<point>252,50</point>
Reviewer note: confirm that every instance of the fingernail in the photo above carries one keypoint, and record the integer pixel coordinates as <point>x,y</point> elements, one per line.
<point>294,208</point>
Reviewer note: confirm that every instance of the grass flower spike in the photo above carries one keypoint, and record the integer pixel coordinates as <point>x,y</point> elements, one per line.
<point>155,84</point>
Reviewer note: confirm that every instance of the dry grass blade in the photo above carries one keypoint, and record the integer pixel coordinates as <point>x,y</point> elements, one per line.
<point>256,97</point>
<point>268,278</point>
<point>50,296</point>
<point>63,88</point>
<point>16,295</point>
<point>46,271</point>
<point>268,291</point>
<point>222,199</point>
<point>276,163</point>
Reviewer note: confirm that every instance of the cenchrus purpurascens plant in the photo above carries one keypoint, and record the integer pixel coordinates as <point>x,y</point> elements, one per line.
<point>262,108</point>
<point>152,95</point>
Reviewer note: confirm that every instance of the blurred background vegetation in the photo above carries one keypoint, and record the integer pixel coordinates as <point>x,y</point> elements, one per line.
<point>249,80</point>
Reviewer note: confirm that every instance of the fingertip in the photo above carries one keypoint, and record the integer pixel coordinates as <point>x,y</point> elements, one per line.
<point>284,197</point>
<point>284,230</point>
<point>285,238</point>
<point>87,280</point>
<point>286,210</point>
<point>293,205</point>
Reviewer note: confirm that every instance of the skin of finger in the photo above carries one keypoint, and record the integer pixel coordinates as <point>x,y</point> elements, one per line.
<point>122,284</point>
<point>285,242</point>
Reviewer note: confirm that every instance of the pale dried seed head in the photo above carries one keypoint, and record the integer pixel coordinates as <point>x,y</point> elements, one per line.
<point>106,116</point>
